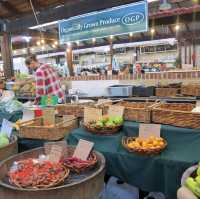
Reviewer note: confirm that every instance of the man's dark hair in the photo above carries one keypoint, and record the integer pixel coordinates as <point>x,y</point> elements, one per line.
<point>30,58</point>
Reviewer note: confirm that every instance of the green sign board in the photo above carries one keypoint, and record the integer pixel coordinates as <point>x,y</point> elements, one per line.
<point>129,18</point>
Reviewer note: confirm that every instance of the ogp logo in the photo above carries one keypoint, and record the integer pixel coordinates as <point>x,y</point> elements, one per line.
<point>133,18</point>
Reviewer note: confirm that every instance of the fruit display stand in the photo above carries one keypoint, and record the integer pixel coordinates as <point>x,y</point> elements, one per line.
<point>162,172</point>
<point>10,149</point>
<point>177,114</point>
<point>85,186</point>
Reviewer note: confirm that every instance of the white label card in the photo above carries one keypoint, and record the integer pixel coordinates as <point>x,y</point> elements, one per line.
<point>198,103</point>
<point>7,127</point>
<point>55,153</point>
<point>28,115</point>
<point>115,110</point>
<point>147,130</point>
<point>83,149</point>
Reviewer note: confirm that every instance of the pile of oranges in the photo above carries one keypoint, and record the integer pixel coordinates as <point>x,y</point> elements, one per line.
<point>151,143</point>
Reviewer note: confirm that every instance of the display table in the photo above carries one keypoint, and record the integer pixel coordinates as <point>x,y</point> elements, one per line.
<point>157,173</point>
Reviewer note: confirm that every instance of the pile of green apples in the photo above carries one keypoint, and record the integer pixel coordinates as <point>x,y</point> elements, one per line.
<point>4,140</point>
<point>193,184</point>
<point>107,122</point>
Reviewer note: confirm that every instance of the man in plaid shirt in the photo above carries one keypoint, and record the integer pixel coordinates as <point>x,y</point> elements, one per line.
<point>47,80</point>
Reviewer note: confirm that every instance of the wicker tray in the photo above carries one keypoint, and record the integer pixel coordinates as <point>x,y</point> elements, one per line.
<point>72,109</point>
<point>167,92</point>
<point>102,131</point>
<point>65,174</point>
<point>139,112</point>
<point>92,161</point>
<point>176,114</point>
<point>35,130</point>
<point>127,140</point>
<point>191,90</point>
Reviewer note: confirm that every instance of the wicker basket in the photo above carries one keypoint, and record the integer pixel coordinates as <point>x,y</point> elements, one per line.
<point>139,112</point>
<point>127,140</point>
<point>35,130</point>
<point>167,92</point>
<point>92,161</point>
<point>72,109</point>
<point>191,90</point>
<point>107,131</point>
<point>10,149</point>
<point>176,114</point>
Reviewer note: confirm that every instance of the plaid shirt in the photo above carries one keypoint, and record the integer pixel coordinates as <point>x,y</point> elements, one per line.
<point>47,82</point>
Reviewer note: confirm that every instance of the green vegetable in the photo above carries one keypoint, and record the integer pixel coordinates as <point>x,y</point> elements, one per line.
<point>4,141</point>
<point>192,185</point>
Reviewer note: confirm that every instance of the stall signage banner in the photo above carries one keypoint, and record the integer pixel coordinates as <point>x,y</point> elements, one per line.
<point>130,18</point>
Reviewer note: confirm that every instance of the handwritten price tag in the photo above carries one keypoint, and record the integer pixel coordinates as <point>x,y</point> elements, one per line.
<point>116,111</point>
<point>92,114</point>
<point>83,149</point>
<point>147,130</point>
<point>7,127</point>
<point>56,153</point>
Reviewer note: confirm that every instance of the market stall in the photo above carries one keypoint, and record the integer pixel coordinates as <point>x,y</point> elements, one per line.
<point>150,173</point>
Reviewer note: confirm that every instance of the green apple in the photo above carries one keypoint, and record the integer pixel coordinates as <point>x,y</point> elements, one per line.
<point>192,185</point>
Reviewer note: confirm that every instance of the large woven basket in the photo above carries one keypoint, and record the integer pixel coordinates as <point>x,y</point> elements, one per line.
<point>72,109</point>
<point>191,90</point>
<point>35,130</point>
<point>107,131</point>
<point>167,92</point>
<point>127,140</point>
<point>10,149</point>
<point>139,112</point>
<point>92,161</point>
<point>176,114</point>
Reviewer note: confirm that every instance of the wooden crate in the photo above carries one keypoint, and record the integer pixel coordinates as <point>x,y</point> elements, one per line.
<point>137,111</point>
<point>167,92</point>
<point>71,109</point>
<point>34,129</point>
<point>176,114</point>
<point>191,90</point>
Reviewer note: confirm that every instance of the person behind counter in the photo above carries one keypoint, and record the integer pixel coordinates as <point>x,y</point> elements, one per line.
<point>47,79</point>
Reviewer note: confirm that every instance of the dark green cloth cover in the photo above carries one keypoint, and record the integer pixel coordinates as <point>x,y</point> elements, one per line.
<point>13,117</point>
<point>156,173</point>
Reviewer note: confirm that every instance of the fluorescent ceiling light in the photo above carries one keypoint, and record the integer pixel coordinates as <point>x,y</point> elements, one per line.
<point>149,1</point>
<point>44,25</point>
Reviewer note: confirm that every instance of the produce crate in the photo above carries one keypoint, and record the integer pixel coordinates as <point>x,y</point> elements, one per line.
<point>140,111</point>
<point>191,90</point>
<point>34,129</point>
<point>71,109</point>
<point>167,92</point>
<point>141,91</point>
<point>176,114</point>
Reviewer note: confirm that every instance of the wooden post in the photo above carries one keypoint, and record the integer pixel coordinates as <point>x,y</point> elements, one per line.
<point>6,52</point>
<point>111,58</point>
<point>69,60</point>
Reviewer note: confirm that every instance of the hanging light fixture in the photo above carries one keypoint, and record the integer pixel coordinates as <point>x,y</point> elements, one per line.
<point>152,31</point>
<point>32,49</point>
<point>42,41</point>
<point>177,27</point>
<point>93,40</point>
<point>130,34</point>
<point>165,5</point>
<point>55,42</point>
<point>38,43</point>
<point>77,42</point>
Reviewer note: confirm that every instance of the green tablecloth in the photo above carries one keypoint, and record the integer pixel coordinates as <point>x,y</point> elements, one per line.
<point>158,173</point>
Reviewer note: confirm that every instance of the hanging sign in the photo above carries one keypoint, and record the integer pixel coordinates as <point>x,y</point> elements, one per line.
<point>129,18</point>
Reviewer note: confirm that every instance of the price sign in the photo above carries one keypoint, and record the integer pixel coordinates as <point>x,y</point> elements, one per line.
<point>198,103</point>
<point>28,115</point>
<point>83,149</point>
<point>56,153</point>
<point>147,130</point>
<point>7,127</point>
<point>115,111</point>
<point>92,114</point>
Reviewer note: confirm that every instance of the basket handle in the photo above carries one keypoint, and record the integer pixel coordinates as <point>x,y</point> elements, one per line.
<point>67,120</point>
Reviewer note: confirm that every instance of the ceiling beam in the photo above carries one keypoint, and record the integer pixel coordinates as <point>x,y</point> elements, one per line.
<point>11,9</point>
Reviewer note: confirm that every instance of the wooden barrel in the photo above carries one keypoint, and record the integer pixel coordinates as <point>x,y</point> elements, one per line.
<point>89,187</point>
<point>10,149</point>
